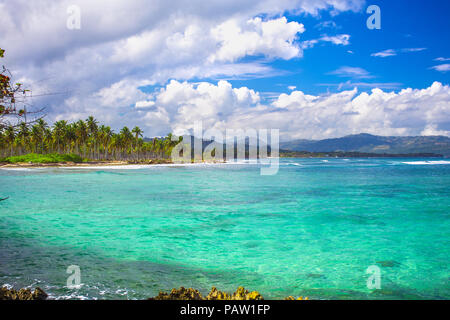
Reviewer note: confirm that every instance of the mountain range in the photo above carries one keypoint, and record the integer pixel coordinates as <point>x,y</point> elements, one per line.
<point>368,143</point>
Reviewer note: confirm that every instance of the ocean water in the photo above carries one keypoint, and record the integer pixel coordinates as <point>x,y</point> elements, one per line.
<point>311,230</point>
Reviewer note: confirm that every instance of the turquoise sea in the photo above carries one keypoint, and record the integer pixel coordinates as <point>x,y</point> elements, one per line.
<point>311,230</point>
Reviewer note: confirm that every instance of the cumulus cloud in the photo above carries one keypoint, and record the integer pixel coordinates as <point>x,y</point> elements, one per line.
<point>299,115</point>
<point>144,104</point>
<point>274,39</point>
<point>127,45</point>
<point>122,44</point>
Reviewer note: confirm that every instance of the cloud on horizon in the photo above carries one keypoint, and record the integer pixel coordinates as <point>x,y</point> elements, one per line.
<point>127,45</point>
<point>176,106</point>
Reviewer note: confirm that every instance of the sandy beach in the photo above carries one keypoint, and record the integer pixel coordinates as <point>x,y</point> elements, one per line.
<point>82,164</point>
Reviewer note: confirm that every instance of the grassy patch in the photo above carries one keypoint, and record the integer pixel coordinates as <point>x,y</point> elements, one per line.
<point>43,158</point>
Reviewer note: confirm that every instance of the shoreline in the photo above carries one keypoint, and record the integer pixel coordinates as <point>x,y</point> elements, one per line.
<point>182,293</point>
<point>150,163</point>
<point>87,164</point>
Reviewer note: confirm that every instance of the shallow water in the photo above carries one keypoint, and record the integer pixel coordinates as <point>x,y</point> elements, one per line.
<point>313,229</point>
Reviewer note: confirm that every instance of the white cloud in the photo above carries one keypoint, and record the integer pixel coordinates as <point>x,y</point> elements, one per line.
<point>442,67</point>
<point>144,104</point>
<point>442,59</point>
<point>308,44</point>
<point>273,38</point>
<point>120,94</point>
<point>340,39</point>
<point>413,49</point>
<point>385,53</point>
<point>329,24</point>
<point>299,115</point>
<point>351,84</point>
<point>392,52</point>
<point>144,42</point>
<point>430,130</point>
<point>124,45</point>
<point>352,72</point>
<point>176,106</point>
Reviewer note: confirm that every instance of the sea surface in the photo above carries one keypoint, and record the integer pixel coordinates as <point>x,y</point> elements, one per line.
<point>311,230</point>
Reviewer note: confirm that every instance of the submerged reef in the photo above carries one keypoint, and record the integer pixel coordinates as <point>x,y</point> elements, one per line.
<point>176,294</point>
<point>192,294</point>
<point>22,294</point>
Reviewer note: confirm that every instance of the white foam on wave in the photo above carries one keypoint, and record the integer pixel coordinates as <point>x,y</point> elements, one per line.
<point>129,166</point>
<point>16,169</point>
<point>427,162</point>
<point>296,164</point>
<point>121,167</point>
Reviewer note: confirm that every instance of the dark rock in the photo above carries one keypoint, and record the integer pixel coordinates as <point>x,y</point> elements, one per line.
<point>217,295</point>
<point>293,298</point>
<point>22,294</point>
<point>242,294</point>
<point>179,294</point>
<point>192,294</point>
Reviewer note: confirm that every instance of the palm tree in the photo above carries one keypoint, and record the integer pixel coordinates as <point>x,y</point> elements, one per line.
<point>81,132</point>
<point>42,126</point>
<point>36,137</point>
<point>126,139</point>
<point>23,136</point>
<point>10,136</point>
<point>83,137</point>
<point>105,135</point>
<point>59,134</point>
<point>2,143</point>
<point>137,133</point>
<point>92,126</point>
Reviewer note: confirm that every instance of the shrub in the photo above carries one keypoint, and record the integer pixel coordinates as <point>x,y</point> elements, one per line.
<point>44,158</point>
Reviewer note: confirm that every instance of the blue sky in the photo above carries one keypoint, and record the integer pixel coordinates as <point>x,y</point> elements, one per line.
<point>310,68</point>
<point>405,24</point>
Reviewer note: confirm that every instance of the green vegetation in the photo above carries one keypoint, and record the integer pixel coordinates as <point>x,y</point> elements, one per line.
<point>85,139</point>
<point>43,158</point>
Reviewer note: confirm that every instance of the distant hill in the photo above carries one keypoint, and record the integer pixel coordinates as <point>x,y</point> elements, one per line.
<point>368,143</point>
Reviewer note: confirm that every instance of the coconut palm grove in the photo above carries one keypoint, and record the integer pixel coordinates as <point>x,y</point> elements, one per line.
<point>78,140</point>
<point>85,138</point>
